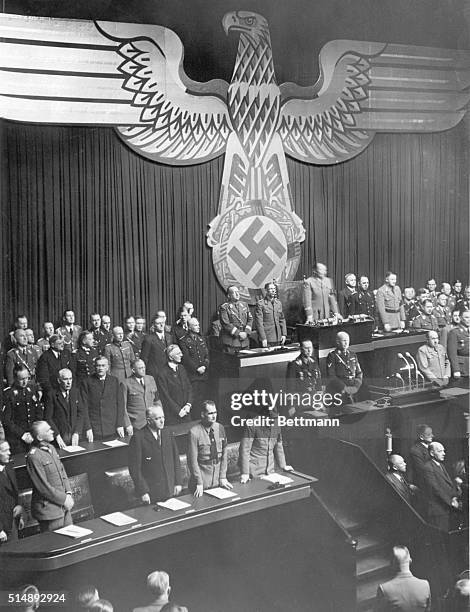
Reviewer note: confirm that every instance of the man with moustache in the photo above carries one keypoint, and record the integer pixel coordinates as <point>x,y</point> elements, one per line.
<point>270,322</point>
<point>432,360</point>
<point>389,304</point>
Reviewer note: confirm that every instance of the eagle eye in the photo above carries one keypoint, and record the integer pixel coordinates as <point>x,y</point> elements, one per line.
<point>249,21</point>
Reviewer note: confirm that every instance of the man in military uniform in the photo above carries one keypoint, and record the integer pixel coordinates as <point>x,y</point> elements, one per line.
<point>410,305</point>
<point>303,374</point>
<point>119,355</point>
<point>348,298</point>
<point>100,337</point>
<point>196,362</point>
<point>426,320</point>
<point>132,336</point>
<point>236,321</point>
<point>389,304</point>
<point>207,452</point>
<point>22,406</point>
<point>433,361</point>
<point>270,322</point>
<point>343,370</point>
<point>52,500</point>
<point>431,287</point>
<point>366,299</point>
<point>458,346</point>
<point>319,295</point>
<point>47,332</point>
<point>22,354</point>
<point>69,331</point>
<point>85,357</point>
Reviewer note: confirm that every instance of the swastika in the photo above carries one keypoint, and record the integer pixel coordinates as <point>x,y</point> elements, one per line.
<point>258,251</point>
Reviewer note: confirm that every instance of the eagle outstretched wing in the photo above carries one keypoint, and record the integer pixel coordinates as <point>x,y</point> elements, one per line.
<point>367,87</point>
<point>65,71</point>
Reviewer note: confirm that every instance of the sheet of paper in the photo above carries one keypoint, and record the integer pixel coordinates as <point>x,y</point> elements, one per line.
<point>220,493</point>
<point>174,504</point>
<point>119,519</point>
<point>73,531</point>
<point>73,449</point>
<point>115,443</point>
<point>278,478</point>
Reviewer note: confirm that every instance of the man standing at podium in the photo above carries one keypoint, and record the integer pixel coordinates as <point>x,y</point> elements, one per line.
<point>269,318</point>
<point>390,305</point>
<point>319,295</point>
<point>236,321</point>
<point>343,370</point>
<point>52,500</point>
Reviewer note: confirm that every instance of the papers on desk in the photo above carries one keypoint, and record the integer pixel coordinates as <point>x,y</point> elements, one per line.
<point>113,443</point>
<point>221,493</point>
<point>73,531</point>
<point>119,519</point>
<point>73,449</point>
<point>174,504</point>
<point>277,478</point>
<point>453,392</point>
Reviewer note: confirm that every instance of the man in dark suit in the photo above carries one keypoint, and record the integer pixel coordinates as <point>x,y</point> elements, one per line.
<point>348,298</point>
<point>404,593</point>
<point>54,359</point>
<point>396,476</point>
<point>154,462</point>
<point>154,346</point>
<point>11,513</point>
<point>67,413</point>
<point>419,455</point>
<point>175,388</point>
<point>441,492</point>
<point>138,392</point>
<point>102,395</point>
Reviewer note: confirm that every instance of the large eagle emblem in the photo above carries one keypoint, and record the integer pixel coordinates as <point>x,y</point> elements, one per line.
<point>131,76</point>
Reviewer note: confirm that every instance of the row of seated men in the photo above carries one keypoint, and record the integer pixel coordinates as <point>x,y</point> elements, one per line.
<point>154,465</point>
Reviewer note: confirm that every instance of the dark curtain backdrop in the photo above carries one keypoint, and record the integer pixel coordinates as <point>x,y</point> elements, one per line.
<point>90,225</point>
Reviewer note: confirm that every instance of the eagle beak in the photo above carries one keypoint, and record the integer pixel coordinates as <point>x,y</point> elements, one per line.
<point>229,21</point>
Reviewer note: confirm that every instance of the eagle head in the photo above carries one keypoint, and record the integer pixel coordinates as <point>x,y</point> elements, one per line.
<point>253,25</point>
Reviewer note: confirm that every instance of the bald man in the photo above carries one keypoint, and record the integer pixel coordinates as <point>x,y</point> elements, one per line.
<point>432,360</point>
<point>439,488</point>
<point>343,370</point>
<point>154,461</point>
<point>319,299</point>
<point>396,476</point>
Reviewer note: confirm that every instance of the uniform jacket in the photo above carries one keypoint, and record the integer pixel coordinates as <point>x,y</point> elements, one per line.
<point>366,303</point>
<point>202,469</point>
<point>424,321</point>
<point>27,356</point>
<point>304,375</point>
<point>22,407</point>
<point>195,355</point>
<point>50,482</point>
<point>319,297</point>
<point>458,349</point>
<point>404,593</point>
<point>175,391</point>
<point>120,357</point>
<point>348,302</point>
<point>137,398</point>
<point>259,447</point>
<point>439,490</point>
<point>105,404</point>
<point>135,338</point>
<point>235,317</point>
<point>8,498</point>
<point>84,362</point>
<point>443,315</point>
<point>411,311</point>
<point>344,366</point>
<point>389,305</point>
<point>433,363</point>
<point>270,322</point>
<point>153,352</point>
<point>70,338</point>
<point>67,418</point>
<point>101,339</point>
<point>143,462</point>
<point>47,370</point>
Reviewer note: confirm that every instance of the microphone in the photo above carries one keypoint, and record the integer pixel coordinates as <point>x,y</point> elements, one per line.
<point>418,373</point>
<point>408,366</point>
<point>400,377</point>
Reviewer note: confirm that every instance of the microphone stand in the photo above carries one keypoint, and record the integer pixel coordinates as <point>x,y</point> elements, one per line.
<point>408,367</point>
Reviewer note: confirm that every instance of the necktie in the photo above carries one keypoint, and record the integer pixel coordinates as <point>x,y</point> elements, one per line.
<point>213,453</point>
